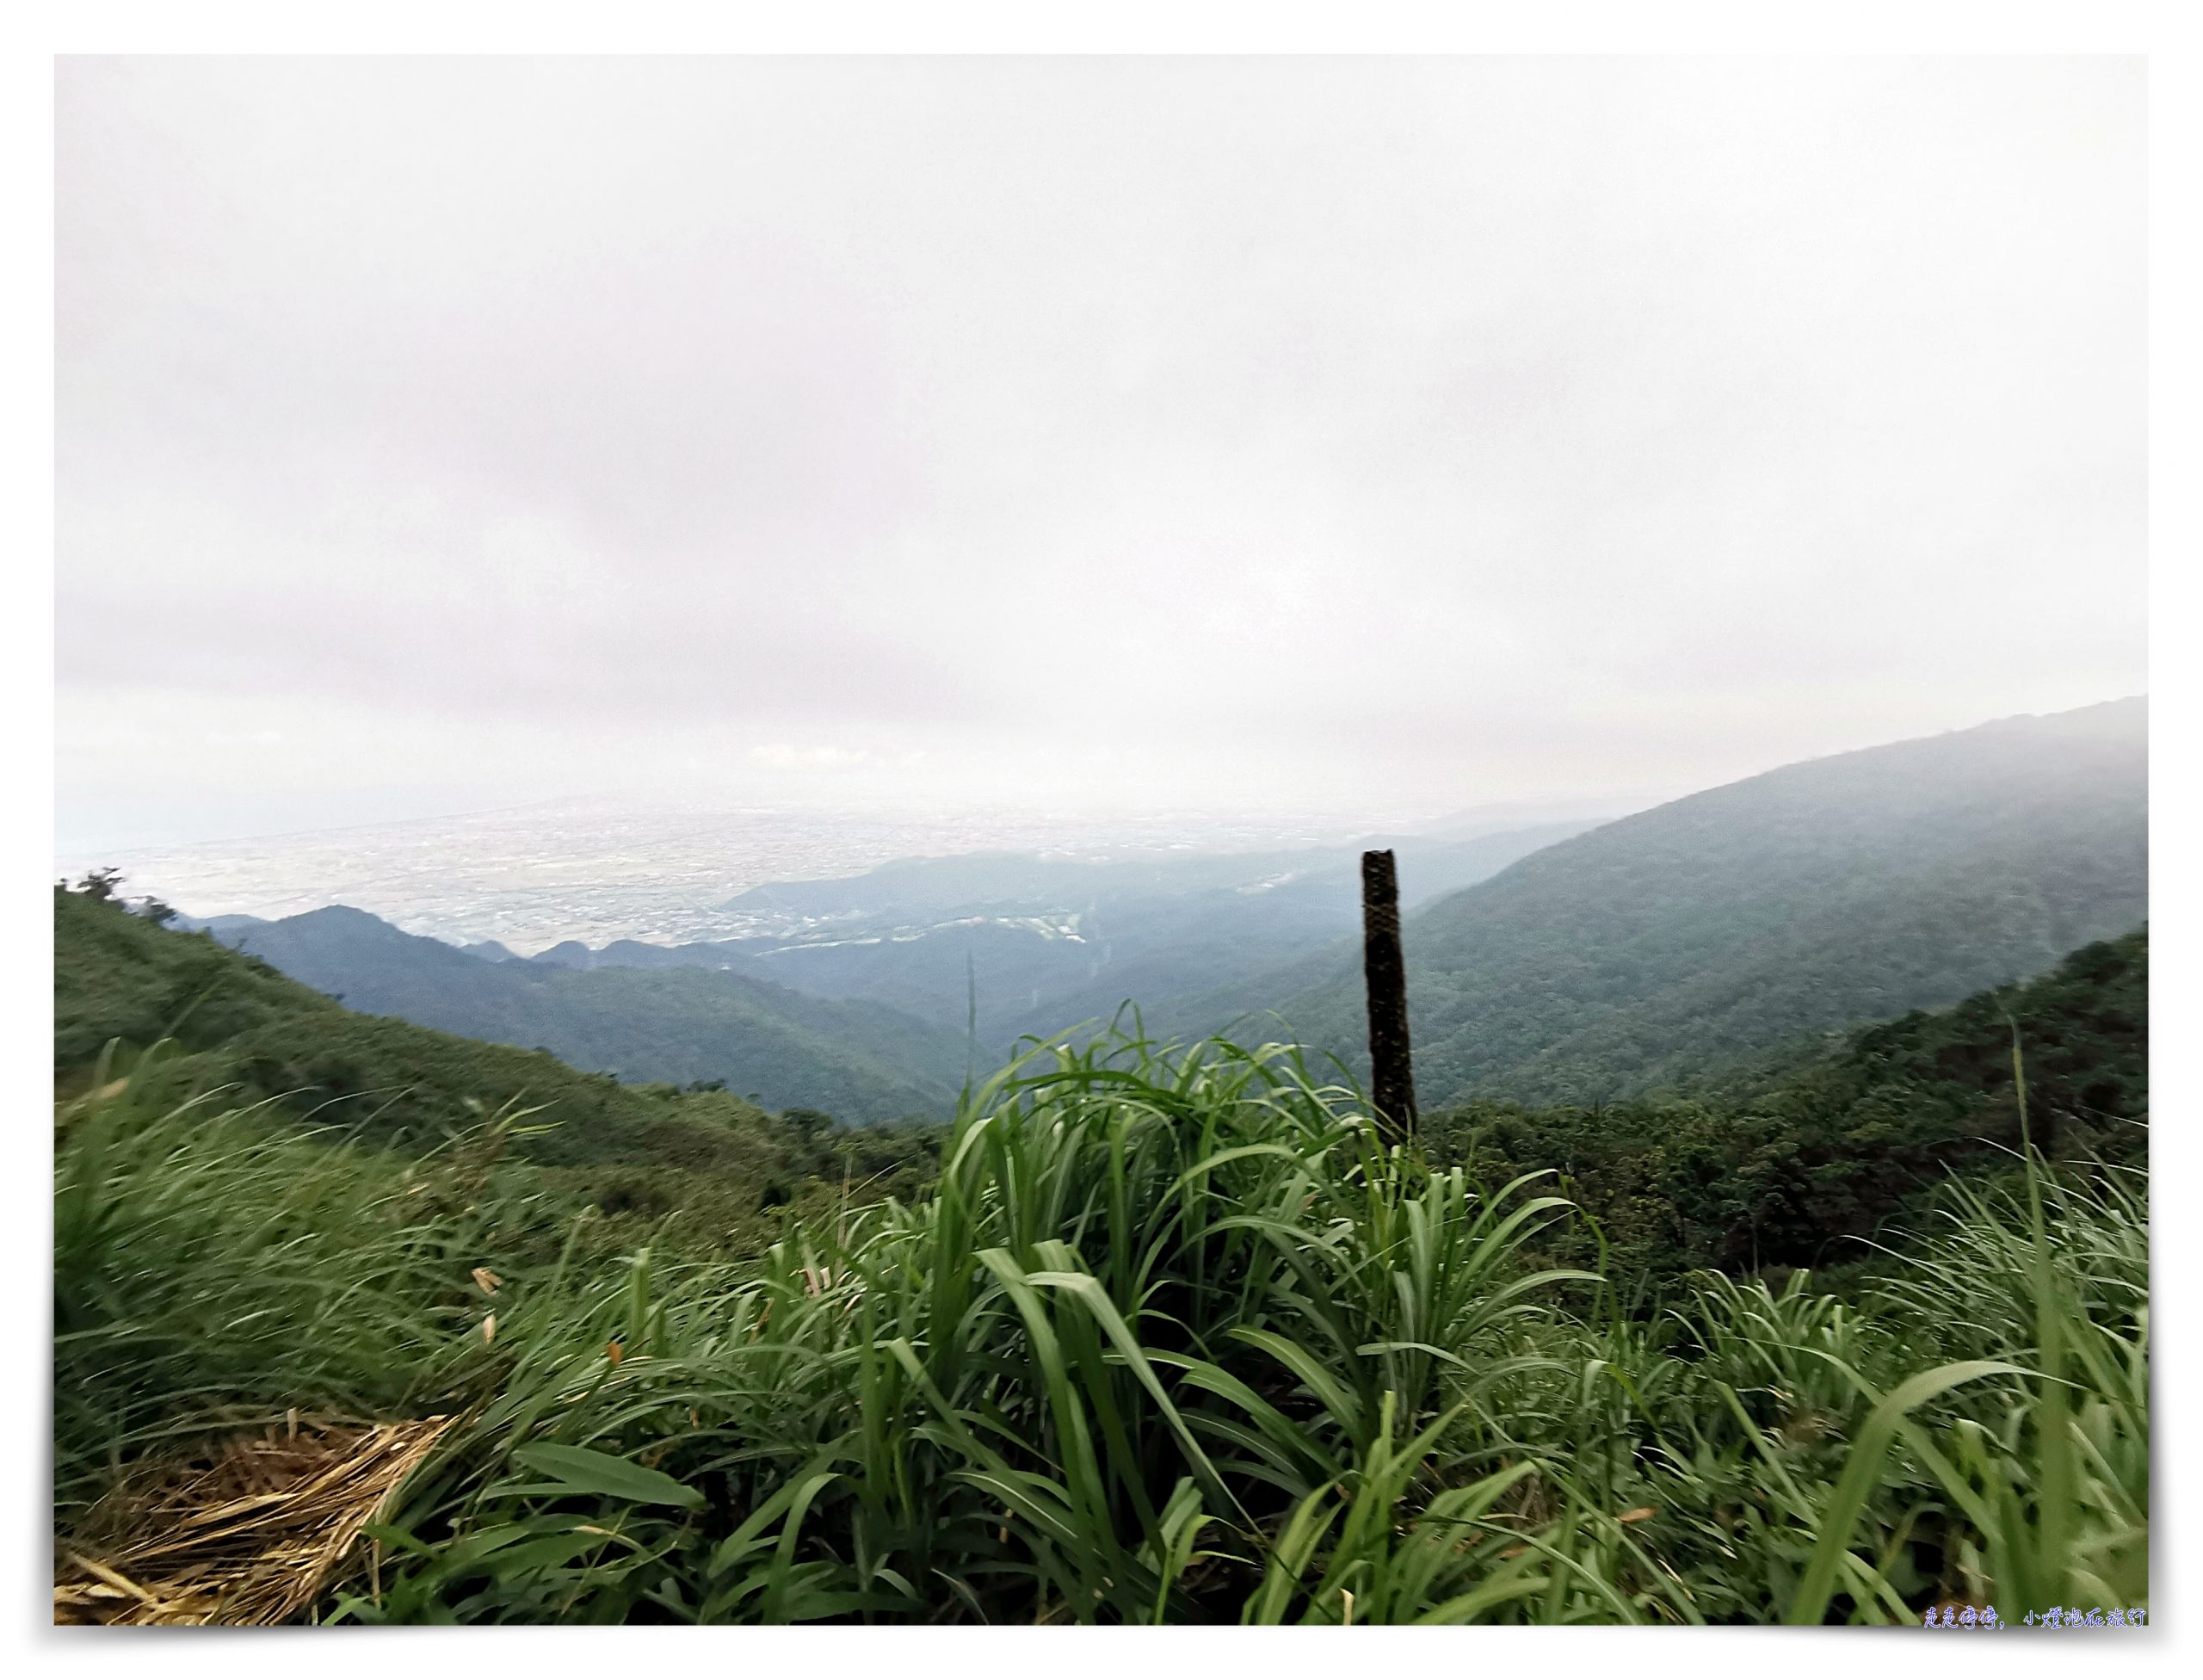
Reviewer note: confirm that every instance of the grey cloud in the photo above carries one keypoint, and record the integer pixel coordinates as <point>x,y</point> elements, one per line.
<point>1453,427</point>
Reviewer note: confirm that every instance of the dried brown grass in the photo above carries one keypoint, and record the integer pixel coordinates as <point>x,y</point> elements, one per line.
<point>247,1532</point>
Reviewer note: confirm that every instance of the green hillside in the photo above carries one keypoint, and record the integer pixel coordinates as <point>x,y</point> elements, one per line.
<point>1171,1339</point>
<point>1656,948</point>
<point>1163,1336</point>
<point>247,1031</point>
<point>1787,1163</point>
<point>859,1061</point>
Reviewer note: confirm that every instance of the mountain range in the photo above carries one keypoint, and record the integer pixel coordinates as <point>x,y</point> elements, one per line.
<point>1002,944</point>
<point>782,1049</point>
<point>1569,962</point>
<point>1659,947</point>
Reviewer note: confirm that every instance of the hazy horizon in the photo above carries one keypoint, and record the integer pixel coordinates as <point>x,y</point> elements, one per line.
<point>93,848</point>
<point>1309,436</point>
<point>599,869</point>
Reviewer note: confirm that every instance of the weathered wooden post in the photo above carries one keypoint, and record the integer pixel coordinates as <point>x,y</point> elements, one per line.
<point>1391,1070</point>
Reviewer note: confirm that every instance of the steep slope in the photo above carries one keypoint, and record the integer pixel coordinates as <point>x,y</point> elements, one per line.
<point>1791,1162</point>
<point>118,977</point>
<point>858,1061</point>
<point>1817,895</point>
<point>700,1168</point>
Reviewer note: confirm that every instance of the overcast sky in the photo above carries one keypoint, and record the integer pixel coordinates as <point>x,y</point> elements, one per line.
<point>1252,434</point>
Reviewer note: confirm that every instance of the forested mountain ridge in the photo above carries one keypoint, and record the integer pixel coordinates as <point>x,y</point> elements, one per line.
<point>1581,963</point>
<point>1657,947</point>
<point>859,1061</point>
<point>1797,1160</point>
<point>118,977</point>
<point>237,1033</point>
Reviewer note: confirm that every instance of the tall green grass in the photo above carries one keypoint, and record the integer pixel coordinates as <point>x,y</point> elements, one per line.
<point>224,1267</point>
<point>1173,1338</point>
